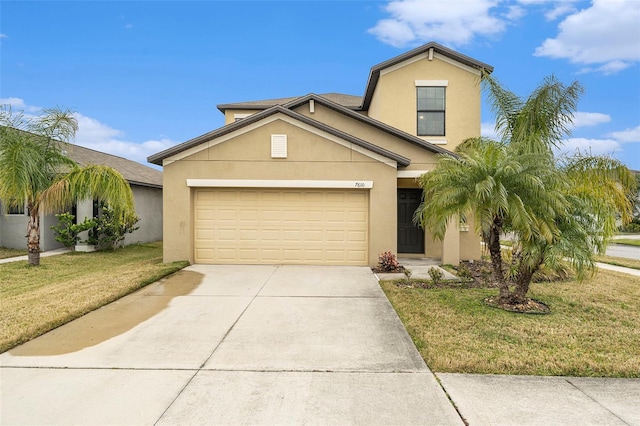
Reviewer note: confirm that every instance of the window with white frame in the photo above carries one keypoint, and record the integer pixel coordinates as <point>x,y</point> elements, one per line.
<point>431,111</point>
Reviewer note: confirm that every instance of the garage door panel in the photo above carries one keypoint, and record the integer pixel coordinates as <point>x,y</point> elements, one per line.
<point>281,226</point>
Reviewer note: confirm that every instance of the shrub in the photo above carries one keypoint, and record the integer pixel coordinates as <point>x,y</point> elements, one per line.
<point>464,272</point>
<point>632,227</point>
<point>66,232</point>
<point>106,231</point>
<point>436,274</point>
<point>109,231</point>
<point>407,275</point>
<point>387,262</point>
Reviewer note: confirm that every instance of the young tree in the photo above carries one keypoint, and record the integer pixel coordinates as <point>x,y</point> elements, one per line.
<point>557,209</point>
<point>35,171</point>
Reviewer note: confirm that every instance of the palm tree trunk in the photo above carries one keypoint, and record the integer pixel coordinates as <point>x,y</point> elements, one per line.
<point>525,275</point>
<point>496,257</point>
<point>33,237</point>
<point>522,285</point>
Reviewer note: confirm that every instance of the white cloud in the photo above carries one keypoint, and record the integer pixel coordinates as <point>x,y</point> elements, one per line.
<point>583,119</point>
<point>559,10</point>
<point>554,8</point>
<point>488,130</point>
<point>589,146</point>
<point>14,102</point>
<point>628,135</point>
<point>605,33</point>
<point>100,137</point>
<point>3,35</point>
<point>19,104</point>
<point>514,13</point>
<point>454,23</point>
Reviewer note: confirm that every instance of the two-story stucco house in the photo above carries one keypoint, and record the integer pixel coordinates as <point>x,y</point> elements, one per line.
<point>325,179</point>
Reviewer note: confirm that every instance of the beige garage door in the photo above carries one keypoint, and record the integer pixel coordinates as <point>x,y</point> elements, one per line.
<point>290,226</point>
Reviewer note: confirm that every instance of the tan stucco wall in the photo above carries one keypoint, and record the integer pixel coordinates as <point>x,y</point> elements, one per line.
<point>421,159</point>
<point>248,156</point>
<point>229,114</point>
<point>394,99</point>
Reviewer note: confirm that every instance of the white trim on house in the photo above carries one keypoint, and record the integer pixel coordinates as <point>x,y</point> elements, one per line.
<point>411,173</point>
<point>432,83</point>
<point>403,64</point>
<point>425,55</point>
<point>438,142</point>
<point>239,116</point>
<point>278,116</point>
<point>278,146</point>
<point>457,64</point>
<point>271,183</point>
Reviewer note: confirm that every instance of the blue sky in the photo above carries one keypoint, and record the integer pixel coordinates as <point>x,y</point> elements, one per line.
<point>145,75</point>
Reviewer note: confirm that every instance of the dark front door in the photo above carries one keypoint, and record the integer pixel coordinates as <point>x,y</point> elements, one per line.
<point>410,237</point>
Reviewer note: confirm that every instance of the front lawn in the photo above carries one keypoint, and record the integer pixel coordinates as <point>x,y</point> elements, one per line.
<point>592,330</point>
<point>619,261</point>
<point>64,287</point>
<point>8,252</point>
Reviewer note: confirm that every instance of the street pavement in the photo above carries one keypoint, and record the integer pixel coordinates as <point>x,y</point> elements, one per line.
<point>620,250</point>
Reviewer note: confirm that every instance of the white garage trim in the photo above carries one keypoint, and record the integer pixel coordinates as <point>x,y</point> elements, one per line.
<point>253,183</point>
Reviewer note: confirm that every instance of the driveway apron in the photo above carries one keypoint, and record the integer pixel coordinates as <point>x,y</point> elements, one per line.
<point>217,344</point>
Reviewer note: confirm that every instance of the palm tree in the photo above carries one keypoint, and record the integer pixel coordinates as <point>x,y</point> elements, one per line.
<point>34,171</point>
<point>503,190</point>
<point>556,209</point>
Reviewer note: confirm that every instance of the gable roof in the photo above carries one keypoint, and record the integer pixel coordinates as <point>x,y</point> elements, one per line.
<point>277,109</point>
<point>348,101</point>
<point>359,103</point>
<point>374,74</point>
<point>135,173</point>
<point>372,122</point>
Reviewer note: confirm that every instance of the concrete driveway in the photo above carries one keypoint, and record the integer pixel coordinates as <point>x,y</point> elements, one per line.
<point>230,345</point>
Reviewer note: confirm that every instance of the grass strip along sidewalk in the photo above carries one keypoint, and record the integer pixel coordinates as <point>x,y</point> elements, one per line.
<point>7,252</point>
<point>619,261</point>
<point>35,300</point>
<point>591,331</point>
<point>626,242</point>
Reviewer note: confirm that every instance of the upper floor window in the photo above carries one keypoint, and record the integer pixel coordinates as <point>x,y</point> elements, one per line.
<point>431,111</point>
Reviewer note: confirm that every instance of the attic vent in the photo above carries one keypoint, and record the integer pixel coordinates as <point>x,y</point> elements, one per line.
<point>278,146</point>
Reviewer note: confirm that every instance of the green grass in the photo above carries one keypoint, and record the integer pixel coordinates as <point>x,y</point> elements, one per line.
<point>64,287</point>
<point>592,330</point>
<point>8,252</point>
<point>619,261</point>
<point>626,242</point>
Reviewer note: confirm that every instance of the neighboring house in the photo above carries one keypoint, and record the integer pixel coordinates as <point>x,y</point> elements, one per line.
<point>146,185</point>
<point>325,179</point>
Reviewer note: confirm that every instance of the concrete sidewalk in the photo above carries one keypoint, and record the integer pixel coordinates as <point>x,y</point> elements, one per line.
<point>230,345</point>
<point>535,400</point>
